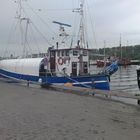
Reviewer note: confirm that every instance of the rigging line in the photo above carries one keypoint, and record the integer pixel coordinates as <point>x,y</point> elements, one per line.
<point>83,2</point>
<point>26,41</point>
<point>41,34</point>
<point>37,29</point>
<point>91,19</point>
<point>81,31</point>
<point>14,35</point>
<point>35,40</point>
<point>66,43</point>
<point>55,9</point>
<point>78,3</point>
<point>23,43</point>
<point>28,49</point>
<point>43,21</point>
<point>25,38</point>
<point>11,34</point>
<point>73,80</point>
<point>9,37</point>
<point>74,29</point>
<point>20,42</point>
<point>74,23</point>
<point>73,3</point>
<point>85,25</point>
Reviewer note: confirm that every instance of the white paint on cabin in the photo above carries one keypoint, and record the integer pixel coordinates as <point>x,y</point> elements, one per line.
<point>68,57</point>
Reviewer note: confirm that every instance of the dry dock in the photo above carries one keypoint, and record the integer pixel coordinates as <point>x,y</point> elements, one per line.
<point>31,113</point>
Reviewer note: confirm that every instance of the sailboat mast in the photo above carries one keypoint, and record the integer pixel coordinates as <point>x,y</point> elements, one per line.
<point>121,45</point>
<point>81,33</point>
<point>23,34</point>
<point>25,38</point>
<point>20,8</point>
<point>104,49</point>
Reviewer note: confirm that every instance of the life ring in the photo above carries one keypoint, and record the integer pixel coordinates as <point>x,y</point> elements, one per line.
<point>60,61</point>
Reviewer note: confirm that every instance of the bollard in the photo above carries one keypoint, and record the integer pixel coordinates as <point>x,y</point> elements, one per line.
<point>28,83</point>
<point>138,77</point>
<point>138,102</point>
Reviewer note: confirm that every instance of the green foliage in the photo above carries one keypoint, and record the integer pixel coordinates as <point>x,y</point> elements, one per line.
<point>130,52</point>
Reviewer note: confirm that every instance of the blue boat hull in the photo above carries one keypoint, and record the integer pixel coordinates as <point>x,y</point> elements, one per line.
<point>97,81</point>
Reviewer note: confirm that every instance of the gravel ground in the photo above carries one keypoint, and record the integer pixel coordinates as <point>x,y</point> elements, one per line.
<point>31,113</point>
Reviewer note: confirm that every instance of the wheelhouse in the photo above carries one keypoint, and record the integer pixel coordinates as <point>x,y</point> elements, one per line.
<point>72,61</point>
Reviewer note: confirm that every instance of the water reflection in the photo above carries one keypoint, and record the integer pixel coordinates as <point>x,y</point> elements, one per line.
<point>124,79</point>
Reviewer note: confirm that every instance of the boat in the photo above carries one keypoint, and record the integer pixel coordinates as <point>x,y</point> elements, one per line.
<point>60,65</point>
<point>100,63</point>
<point>111,69</point>
<point>103,63</point>
<point>104,60</point>
<point>124,62</point>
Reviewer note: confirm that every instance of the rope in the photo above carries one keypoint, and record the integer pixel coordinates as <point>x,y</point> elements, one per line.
<point>77,81</point>
<point>65,75</point>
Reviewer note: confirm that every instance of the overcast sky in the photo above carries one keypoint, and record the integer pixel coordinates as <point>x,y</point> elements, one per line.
<point>108,18</point>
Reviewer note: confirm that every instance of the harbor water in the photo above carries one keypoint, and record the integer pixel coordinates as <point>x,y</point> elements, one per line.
<point>125,79</point>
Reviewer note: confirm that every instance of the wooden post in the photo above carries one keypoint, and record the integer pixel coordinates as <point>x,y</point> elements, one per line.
<point>138,102</point>
<point>28,83</point>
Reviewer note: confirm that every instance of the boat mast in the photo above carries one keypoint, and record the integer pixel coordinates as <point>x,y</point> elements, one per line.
<point>121,45</point>
<point>81,33</point>
<point>104,53</point>
<point>23,35</point>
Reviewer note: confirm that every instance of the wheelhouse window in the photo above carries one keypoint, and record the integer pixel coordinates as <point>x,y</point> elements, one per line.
<point>63,53</point>
<point>58,53</point>
<point>74,69</point>
<point>85,52</point>
<point>74,64</point>
<point>85,66</point>
<point>52,53</point>
<point>75,53</point>
<point>67,52</point>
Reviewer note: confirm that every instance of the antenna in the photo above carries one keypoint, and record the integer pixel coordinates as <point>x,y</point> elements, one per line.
<point>62,29</point>
<point>61,24</point>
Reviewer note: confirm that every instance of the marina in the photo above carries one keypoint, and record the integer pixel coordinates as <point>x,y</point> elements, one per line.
<point>53,83</point>
<point>63,63</point>
<point>124,87</point>
<point>125,79</point>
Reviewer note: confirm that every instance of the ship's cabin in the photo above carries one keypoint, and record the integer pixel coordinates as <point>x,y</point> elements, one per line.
<point>71,62</point>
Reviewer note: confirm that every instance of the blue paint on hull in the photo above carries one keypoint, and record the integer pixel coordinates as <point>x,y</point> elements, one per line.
<point>98,81</point>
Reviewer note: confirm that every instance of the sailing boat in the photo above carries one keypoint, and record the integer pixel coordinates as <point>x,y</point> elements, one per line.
<point>123,61</point>
<point>104,61</point>
<point>61,65</point>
